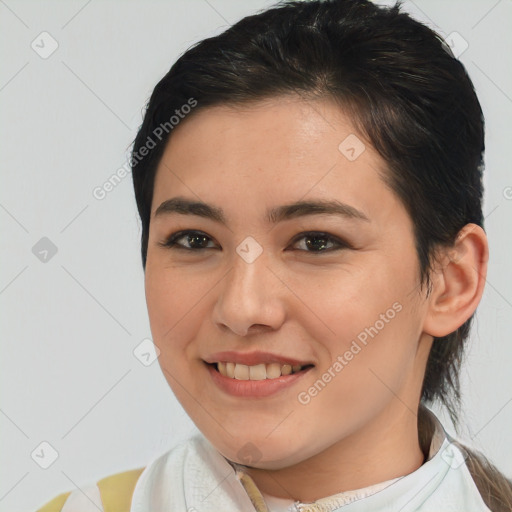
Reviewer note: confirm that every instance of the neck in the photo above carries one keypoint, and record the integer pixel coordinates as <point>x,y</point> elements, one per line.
<point>385,449</point>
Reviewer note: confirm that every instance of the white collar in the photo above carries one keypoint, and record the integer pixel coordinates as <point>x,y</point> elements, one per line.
<point>194,476</point>
<point>334,502</point>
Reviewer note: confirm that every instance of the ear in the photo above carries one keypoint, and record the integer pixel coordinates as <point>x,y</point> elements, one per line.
<point>457,282</point>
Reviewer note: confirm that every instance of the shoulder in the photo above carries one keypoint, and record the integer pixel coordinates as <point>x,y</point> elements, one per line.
<point>115,493</point>
<point>56,504</point>
<point>110,494</point>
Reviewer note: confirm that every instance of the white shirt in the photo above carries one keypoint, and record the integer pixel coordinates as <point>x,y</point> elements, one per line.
<point>194,477</point>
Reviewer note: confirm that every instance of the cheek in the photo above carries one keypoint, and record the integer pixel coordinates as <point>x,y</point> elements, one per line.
<point>366,323</point>
<point>342,302</point>
<point>174,313</point>
<point>172,302</point>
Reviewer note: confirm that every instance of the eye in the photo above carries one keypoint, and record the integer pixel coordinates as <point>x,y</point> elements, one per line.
<point>316,241</point>
<point>195,239</point>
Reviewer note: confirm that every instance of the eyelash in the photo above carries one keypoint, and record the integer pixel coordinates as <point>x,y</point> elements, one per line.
<point>171,241</point>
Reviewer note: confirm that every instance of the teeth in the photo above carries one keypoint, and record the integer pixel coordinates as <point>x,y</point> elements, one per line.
<point>286,369</point>
<point>256,372</point>
<point>222,368</point>
<point>273,370</point>
<point>230,370</point>
<point>241,372</point>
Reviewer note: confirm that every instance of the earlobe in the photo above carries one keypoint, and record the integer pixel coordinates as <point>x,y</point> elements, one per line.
<point>458,282</point>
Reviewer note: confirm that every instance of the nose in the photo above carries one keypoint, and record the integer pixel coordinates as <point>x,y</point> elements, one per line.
<point>251,298</point>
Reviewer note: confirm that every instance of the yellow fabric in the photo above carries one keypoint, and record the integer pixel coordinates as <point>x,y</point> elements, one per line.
<point>116,493</point>
<point>117,490</point>
<point>253,492</point>
<point>56,504</point>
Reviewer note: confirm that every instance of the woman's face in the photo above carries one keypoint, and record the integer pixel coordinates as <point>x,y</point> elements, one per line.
<point>256,292</point>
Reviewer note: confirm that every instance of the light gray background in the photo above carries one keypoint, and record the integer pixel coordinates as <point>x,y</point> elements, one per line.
<point>70,325</point>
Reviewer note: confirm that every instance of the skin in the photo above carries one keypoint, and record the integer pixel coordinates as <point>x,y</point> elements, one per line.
<point>361,428</point>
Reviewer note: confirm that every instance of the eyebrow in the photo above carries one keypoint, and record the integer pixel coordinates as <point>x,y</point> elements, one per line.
<point>184,206</point>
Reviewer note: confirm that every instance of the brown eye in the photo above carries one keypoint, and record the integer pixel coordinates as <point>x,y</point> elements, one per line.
<point>317,242</point>
<point>196,241</point>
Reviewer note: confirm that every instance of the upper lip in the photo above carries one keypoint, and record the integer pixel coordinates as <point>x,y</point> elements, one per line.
<point>253,358</point>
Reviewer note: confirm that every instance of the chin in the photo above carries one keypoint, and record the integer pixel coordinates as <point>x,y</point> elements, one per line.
<point>259,454</point>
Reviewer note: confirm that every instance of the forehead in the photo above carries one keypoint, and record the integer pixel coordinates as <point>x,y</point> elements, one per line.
<point>268,153</point>
<point>279,130</point>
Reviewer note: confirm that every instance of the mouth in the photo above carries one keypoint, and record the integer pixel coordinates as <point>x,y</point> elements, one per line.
<point>257,372</point>
<point>256,381</point>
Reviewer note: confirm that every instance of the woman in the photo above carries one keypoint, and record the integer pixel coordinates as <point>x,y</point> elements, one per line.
<point>310,186</point>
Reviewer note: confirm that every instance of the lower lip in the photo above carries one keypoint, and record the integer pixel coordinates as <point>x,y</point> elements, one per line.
<point>255,388</point>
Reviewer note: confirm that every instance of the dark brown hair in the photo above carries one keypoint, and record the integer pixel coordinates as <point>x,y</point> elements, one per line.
<point>407,95</point>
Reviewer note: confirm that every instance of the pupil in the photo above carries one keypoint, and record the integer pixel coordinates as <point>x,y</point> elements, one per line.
<point>316,245</point>
<point>195,237</point>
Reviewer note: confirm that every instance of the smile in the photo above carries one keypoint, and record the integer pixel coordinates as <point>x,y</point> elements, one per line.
<point>256,381</point>
<point>256,372</point>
